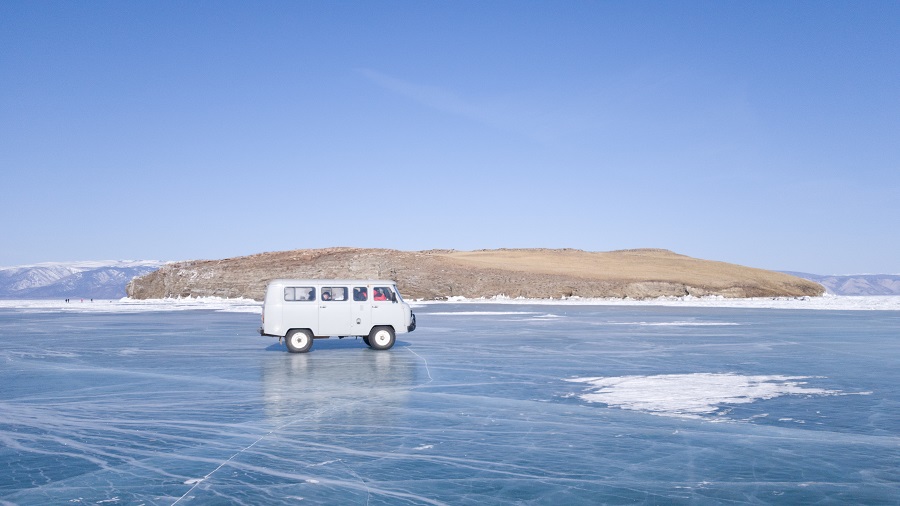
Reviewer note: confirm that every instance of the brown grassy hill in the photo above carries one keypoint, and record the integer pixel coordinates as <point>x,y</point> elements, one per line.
<point>437,274</point>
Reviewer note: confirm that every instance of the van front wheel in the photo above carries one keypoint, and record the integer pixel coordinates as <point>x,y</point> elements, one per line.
<point>298,341</point>
<point>381,338</point>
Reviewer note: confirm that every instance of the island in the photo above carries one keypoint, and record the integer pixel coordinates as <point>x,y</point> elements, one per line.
<point>533,273</point>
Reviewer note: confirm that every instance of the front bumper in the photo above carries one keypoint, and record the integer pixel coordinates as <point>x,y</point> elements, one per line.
<point>412,325</point>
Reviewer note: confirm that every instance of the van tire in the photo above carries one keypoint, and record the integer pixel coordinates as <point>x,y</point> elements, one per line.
<point>298,340</point>
<point>366,340</point>
<point>381,338</point>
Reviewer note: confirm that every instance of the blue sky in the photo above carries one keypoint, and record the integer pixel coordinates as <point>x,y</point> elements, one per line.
<point>760,133</point>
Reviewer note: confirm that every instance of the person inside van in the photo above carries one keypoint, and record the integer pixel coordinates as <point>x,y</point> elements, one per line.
<point>326,295</point>
<point>360,293</point>
<point>379,294</point>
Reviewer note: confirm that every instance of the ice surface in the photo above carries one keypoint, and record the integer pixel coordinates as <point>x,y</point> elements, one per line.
<point>150,403</point>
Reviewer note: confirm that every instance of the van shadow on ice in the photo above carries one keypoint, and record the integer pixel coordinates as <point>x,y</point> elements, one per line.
<point>333,343</point>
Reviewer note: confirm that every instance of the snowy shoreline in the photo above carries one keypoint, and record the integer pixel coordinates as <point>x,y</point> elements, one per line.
<point>126,305</point>
<point>825,302</point>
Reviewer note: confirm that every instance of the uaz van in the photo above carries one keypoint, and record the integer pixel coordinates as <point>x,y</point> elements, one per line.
<point>300,310</point>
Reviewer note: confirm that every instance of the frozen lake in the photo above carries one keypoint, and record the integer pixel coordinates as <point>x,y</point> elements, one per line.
<point>483,404</point>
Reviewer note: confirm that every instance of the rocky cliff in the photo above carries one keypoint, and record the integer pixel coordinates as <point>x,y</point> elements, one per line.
<point>437,274</point>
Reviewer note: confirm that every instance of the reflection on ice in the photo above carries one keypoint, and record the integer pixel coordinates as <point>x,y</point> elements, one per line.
<point>356,385</point>
<point>691,395</point>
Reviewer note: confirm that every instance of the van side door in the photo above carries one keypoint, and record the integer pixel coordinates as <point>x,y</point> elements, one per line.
<point>361,312</point>
<point>335,311</point>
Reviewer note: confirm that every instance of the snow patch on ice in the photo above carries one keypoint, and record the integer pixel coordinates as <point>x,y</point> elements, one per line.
<point>676,324</point>
<point>480,313</point>
<point>694,395</point>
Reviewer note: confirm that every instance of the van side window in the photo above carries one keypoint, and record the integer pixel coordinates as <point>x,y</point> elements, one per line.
<point>360,293</point>
<point>334,293</point>
<point>382,293</point>
<point>299,293</point>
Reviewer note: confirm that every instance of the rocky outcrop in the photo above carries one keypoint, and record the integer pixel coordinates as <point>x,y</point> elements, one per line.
<point>438,274</point>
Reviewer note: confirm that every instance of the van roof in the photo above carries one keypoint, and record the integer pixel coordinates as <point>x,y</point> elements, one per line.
<point>332,282</point>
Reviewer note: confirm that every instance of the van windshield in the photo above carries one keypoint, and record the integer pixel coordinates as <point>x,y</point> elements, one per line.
<point>397,293</point>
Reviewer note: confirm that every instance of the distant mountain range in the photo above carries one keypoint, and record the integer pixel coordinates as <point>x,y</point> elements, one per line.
<point>108,279</point>
<point>72,280</point>
<point>860,284</point>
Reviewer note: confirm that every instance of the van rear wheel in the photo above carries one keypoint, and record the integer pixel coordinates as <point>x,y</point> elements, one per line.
<point>381,338</point>
<point>298,341</point>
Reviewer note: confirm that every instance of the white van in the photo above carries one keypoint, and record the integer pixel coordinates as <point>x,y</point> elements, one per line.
<point>300,310</point>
